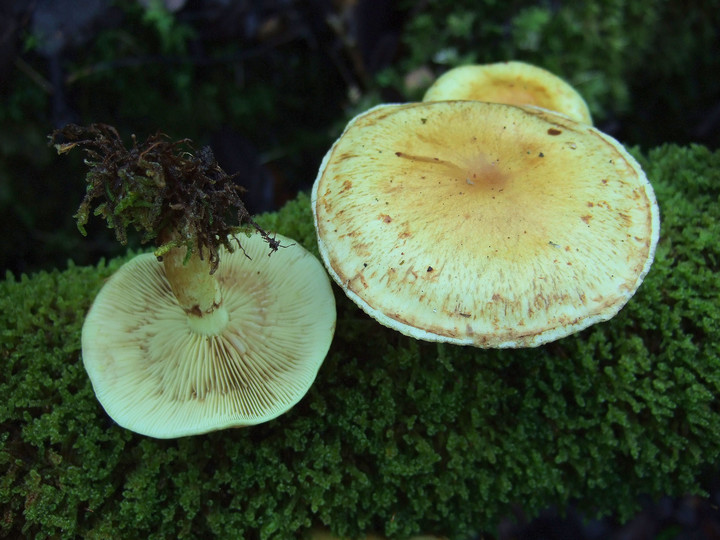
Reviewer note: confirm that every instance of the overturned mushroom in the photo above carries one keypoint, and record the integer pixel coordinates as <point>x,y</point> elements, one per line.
<point>192,344</point>
<point>514,83</point>
<point>161,371</point>
<point>481,223</point>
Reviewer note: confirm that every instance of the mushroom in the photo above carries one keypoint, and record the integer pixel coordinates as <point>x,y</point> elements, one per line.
<point>514,83</point>
<point>176,343</point>
<point>163,371</point>
<point>485,224</point>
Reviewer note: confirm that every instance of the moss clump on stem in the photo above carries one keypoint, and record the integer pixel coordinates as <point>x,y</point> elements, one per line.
<point>181,200</point>
<point>162,189</point>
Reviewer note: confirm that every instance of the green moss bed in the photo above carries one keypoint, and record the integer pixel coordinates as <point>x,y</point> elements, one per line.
<point>396,436</point>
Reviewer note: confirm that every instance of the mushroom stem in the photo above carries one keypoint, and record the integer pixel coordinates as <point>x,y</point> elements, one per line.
<point>196,290</point>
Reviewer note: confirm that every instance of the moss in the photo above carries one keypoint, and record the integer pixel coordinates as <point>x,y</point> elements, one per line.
<point>160,189</point>
<point>396,436</point>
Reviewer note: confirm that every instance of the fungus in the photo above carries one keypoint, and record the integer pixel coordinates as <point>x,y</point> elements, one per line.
<point>481,223</point>
<point>190,345</point>
<point>163,372</point>
<point>514,83</point>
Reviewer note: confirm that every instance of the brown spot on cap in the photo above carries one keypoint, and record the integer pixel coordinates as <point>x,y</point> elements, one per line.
<point>553,131</point>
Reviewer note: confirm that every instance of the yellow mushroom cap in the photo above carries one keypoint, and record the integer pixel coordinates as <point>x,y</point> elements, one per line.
<point>161,372</point>
<point>481,223</point>
<point>514,83</point>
